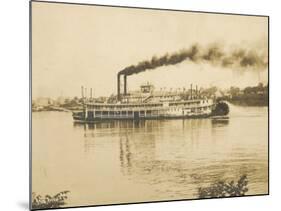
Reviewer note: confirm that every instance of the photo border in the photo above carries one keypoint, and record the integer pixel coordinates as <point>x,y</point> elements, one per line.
<point>140,8</point>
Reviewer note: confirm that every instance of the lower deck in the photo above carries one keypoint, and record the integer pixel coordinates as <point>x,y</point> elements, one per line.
<point>161,113</point>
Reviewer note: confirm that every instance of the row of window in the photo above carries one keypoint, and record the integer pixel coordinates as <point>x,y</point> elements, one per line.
<point>142,105</point>
<point>185,104</point>
<point>199,109</point>
<point>188,103</point>
<point>192,109</point>
<point>122,113</point>
<point>123,106</point>
<point>141,113</point>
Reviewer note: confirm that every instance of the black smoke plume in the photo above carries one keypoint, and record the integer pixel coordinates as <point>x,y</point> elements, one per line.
<point>214,54</point>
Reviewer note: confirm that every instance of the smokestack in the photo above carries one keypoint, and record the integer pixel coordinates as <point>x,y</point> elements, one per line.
<point>86,92</point>
<point>82,91</point>
<point>91,93</point>
<point>125,84</point>
<point>118,87</point>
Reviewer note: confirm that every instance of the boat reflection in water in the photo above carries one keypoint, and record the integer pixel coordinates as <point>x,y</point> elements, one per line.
<point>176,157</point>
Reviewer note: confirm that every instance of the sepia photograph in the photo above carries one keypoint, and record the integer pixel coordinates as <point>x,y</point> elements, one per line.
<point>135,105</point>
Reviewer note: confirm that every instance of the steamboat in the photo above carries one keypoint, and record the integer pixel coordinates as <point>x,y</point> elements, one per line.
<point>150,104</point>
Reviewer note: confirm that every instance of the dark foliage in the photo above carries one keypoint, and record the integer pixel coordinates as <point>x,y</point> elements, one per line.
<point>250,96</point>
<point>56,201</point>
<point>225,189</point>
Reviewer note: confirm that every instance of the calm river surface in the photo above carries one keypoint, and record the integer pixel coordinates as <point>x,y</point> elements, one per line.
<point>121,162</point>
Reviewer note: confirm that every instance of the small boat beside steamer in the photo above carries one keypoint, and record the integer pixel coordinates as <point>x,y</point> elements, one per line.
<point>150,104</point>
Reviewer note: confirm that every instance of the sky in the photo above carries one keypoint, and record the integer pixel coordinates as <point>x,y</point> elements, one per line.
<point>75,45</point>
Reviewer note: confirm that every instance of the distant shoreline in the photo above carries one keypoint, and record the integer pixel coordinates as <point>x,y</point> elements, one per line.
<point>51,108</point>
<point>248,100</point>
<point>249,103</point>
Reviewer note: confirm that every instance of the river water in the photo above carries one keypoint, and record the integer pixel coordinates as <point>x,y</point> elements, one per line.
<point>125,161</point>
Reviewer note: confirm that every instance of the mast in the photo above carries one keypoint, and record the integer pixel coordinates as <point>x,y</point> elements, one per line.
<point>91,93</point>
<point>190,91</point>
<point>82,92</point>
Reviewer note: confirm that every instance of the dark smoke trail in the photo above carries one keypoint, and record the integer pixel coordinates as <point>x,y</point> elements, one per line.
<point>243,59</point>
<point>165,60</point>
<point>215,55</point>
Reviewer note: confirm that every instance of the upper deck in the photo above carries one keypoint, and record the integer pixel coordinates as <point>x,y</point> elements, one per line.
<point>197,103</point>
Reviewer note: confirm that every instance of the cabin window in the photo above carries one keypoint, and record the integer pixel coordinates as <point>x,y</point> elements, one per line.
<point>90,114</point>
<point>124,113</point>
<point>130,113</point>
<point>141,112</point>
<point>97,113</point>
<point>111,113</point>
<point>105,113</point>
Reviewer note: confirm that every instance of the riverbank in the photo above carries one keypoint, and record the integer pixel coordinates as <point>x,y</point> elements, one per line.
<point>248,100</point>
<point>50,108</point>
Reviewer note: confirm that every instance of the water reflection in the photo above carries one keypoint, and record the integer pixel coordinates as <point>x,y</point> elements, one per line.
<point>170,152</point>
<point>125,155</point>
<point>220,122</point>
<point>151,124</point>
<point>113,124</point>
<point>164,159</point>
